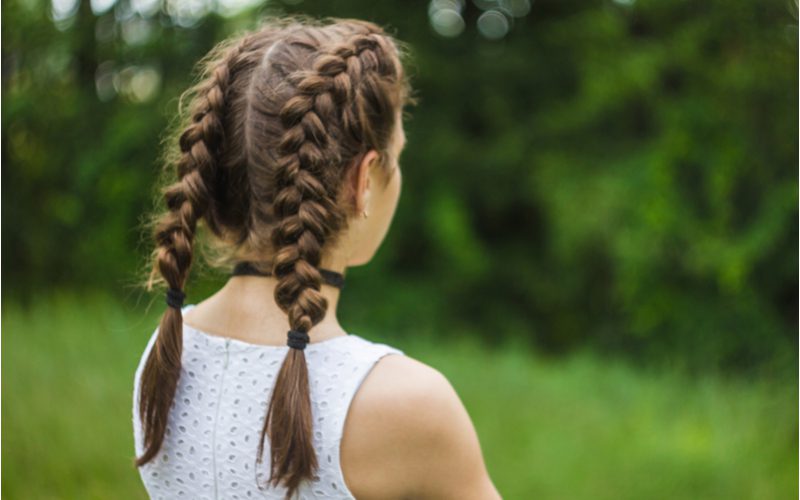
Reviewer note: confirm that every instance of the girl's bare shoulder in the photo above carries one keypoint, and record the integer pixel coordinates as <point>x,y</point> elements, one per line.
<point>407,433</point>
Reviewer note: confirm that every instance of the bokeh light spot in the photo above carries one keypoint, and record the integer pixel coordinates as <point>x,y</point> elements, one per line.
<point>493,25</point>
<point>447,22</point>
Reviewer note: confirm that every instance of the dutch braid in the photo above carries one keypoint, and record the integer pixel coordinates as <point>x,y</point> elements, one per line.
<point>188,200</point>
<point>307,215</point>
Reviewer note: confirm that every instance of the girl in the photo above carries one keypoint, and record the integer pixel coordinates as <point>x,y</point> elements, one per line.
<point>289,157</point>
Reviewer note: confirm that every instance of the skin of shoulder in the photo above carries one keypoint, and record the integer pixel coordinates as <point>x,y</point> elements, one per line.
<point>408,435</point>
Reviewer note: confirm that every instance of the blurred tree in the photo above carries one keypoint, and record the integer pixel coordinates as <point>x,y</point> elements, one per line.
<point>615,174</point>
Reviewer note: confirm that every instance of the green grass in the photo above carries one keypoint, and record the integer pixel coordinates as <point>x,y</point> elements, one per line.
<point>576,428</point>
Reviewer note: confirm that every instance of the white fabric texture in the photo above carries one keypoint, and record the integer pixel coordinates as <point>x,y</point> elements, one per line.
<point>210,446</point>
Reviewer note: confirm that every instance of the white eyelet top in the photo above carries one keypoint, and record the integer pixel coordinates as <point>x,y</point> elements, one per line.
<point>214,425</point>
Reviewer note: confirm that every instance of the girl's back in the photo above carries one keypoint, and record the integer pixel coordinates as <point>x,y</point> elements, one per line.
<point>384,424</point>
<point>219,408</point>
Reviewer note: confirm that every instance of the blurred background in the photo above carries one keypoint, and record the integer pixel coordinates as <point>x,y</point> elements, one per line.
<point>596,240</point>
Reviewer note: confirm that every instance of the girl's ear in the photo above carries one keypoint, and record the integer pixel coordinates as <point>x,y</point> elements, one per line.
<point>362,175</point>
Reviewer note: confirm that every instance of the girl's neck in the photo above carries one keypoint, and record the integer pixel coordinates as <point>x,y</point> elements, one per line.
<point>245,308</point>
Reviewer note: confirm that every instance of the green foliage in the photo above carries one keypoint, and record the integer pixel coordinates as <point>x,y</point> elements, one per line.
<point>578,428</point>
<point>620,175</point>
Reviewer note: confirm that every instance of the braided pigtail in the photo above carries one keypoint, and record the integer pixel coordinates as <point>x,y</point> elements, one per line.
<point>306,215</point>
<point>187,200</point>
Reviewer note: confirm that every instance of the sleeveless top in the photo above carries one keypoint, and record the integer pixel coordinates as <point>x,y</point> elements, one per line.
<point>214,425</point>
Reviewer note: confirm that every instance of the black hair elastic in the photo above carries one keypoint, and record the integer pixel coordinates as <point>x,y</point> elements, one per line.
<point>245,268</point>
<point>175,298</point>
<point>298,339</point>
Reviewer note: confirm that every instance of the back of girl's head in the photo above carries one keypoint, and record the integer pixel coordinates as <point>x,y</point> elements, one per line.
<point>277,118</point>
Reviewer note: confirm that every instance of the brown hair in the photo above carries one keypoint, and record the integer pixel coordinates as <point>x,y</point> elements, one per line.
<point>278,117</point>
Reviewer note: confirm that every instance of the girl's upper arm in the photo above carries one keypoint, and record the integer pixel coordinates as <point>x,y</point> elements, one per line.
<point>418,438</point>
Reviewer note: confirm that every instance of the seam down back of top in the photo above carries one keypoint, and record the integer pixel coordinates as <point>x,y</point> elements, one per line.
<point>210,446</point>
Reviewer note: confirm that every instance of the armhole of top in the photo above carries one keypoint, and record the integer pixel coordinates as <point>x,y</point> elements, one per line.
<point>137,425</point>
<point>146,353</point>
<point>386,350</point>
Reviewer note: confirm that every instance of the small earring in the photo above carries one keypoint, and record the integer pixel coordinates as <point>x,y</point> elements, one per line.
<point>364,214</point>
